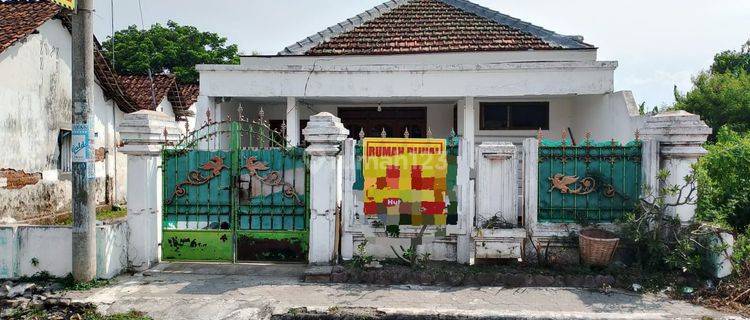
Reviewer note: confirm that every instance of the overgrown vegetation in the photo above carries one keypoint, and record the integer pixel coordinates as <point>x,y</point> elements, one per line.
<point>66,283</point>
<point>72,311</point>
<point>660,240</point>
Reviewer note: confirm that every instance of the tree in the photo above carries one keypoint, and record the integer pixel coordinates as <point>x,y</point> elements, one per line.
<point>174,49</point>
<point>721,96</point>
<point>732,61</point>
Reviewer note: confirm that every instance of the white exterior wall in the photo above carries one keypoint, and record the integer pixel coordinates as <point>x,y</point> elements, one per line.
<point>609,116</point>
<point>50,247</point>
<point>35,103</point>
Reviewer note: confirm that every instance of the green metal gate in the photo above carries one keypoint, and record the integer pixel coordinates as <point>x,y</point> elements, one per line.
<point>591,182</point>
<point>235,191</point>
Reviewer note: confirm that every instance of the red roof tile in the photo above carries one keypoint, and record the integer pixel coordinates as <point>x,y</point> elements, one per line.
<point>427,26</point>
<point>182,96</point>
<point>138,88</point>
<point>18,19</point>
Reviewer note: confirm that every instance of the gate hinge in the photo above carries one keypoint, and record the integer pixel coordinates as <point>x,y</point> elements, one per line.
<point>472,174</point>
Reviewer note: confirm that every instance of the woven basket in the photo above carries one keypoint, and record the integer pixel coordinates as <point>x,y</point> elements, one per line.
<point>597,246</point>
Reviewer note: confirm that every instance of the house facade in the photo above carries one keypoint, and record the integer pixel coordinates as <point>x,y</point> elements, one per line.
<point>35,113</point>
<point>495,86</point>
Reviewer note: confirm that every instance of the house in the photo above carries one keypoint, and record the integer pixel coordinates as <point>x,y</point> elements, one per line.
<point>35,113</point>
<point>501,88</point>
<point>431,65</point>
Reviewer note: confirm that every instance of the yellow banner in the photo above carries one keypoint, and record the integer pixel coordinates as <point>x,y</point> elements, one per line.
<point>405,181</point>
<point>70,4</point>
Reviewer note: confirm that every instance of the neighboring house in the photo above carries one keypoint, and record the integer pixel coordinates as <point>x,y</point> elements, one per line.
<point>430,65</point>
<point>176,100</point>
<point>35,114</point>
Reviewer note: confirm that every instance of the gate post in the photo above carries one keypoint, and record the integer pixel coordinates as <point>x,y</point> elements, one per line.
<point>325,133</point>
<point>144,133</point>
<point>680,136</point>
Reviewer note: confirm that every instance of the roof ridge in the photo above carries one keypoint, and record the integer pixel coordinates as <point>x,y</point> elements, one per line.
<point>549,37</point>
<point>553,38</point>
<point>300,47</point>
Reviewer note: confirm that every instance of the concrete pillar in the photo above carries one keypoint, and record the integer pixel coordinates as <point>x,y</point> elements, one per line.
<point>143,135</point>
<point>530,188</point>
<point>325,133</point>
<point>292,121</point>
<point>680,136</point>
<point>468,129</point>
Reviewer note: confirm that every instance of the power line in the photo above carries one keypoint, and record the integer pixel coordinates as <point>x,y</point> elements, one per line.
<point>150,76</point>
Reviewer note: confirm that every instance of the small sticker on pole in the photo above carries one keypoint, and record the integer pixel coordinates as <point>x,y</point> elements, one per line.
<point>79,147</point>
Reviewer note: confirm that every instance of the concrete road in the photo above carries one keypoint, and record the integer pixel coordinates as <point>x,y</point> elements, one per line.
<point>256,291</point>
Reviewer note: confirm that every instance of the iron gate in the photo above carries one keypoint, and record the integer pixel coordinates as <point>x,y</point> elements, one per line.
<point>235,191</point>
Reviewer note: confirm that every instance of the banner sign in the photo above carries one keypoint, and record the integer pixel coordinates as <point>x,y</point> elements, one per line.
<point>405,181</point>
<point>70,4</point>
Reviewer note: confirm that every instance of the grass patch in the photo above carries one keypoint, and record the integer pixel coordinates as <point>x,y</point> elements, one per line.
<point>102,214</point>
<point>72,311</point>
<point>67,283</point>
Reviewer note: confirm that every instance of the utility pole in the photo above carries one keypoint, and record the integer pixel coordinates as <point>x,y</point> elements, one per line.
<point>84,206</point>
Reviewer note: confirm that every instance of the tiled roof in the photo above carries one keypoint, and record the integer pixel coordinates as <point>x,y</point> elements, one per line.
<point>427,26</point>
<point>20,18</point>
<point>138,88</point>
<point>182,96</point>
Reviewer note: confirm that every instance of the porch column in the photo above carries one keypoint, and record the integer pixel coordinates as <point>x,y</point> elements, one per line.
<point>680,136</point>
<point>468,128</point>
<point>292,121</point>
<point>143,133</point>
<point>464,244</point>
<point>325,133</point>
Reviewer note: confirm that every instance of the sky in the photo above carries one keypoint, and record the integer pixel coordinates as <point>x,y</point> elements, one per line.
<point>658,43</point>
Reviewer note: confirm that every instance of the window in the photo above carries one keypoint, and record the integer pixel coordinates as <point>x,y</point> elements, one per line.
<point>514,115</point>
<point>64,157</point>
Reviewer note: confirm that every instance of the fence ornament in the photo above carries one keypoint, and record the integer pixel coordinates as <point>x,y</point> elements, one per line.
<point>563,183</point>
<point>272,179</point>
<point>195,178</point>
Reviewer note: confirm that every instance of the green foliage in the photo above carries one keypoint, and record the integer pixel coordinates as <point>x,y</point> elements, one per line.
<point>721,99</point>
<point>361,258</point>
<point>70,284</point>
<point>732,61</point>
<point>174,48</point>
<point>742,252</point>
<point>662,242</point>
<point>722,96</point>
<point>724,181</point>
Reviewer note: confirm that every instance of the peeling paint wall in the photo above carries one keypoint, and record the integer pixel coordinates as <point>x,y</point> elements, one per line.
<point>26,250</point>
<point>35,105</point>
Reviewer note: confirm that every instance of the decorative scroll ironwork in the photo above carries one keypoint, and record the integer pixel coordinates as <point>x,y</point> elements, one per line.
<point>273,178</point>
<point>563,183</point>
<point>195,178</point>
<point>567,185</point>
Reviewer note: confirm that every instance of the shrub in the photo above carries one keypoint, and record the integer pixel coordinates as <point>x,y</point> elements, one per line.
<point>724,181</point>
<point>742,252</point>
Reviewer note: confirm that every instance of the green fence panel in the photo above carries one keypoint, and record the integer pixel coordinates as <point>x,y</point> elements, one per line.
<point>593,182</point>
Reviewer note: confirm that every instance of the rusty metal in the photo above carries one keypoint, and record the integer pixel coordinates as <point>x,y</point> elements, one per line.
<point>195,178</point>
<point>565,183</point>
<point>272,179</point>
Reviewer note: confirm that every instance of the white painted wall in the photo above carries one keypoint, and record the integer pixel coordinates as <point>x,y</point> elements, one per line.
<point>50,247</point>
<point>35,100</point>
<point>609,116</point>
